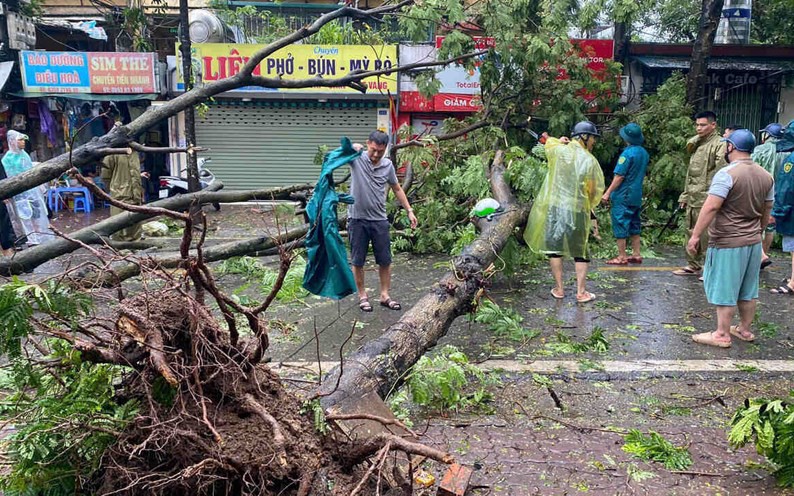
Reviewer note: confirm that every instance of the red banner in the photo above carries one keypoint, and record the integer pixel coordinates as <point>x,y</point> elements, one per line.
<point>119,72</point>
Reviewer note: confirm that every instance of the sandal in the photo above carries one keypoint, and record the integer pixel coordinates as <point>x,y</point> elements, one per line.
<point>783,289</point>
<point>391,304</point>
<point>586,297</point>
<point>766,263</point>
<point>555,295</point>
<point>749,337</point>
<point>364,304</point>
<point>707,338</point>
<point>634,260</point>
<point>617,261</point>
<point>686,271</point>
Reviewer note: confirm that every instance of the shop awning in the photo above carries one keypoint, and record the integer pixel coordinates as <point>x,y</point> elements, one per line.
<point>5,71</point>
<point>94,97</point>
<point>718,63</point>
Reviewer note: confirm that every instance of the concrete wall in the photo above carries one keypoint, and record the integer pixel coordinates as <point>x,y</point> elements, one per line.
<point>787,106</point>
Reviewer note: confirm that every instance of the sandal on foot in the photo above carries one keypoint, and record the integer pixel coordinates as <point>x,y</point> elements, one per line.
<point>766,263</point>
<point>634,260</point>
<point>784,289</point>
<point>557,296</point>
<point>707,338</point>
<point>585,297</point>
<point>364,305</point>
<point>749,337</point>
<point>391,304</point>
<point>686,271</point>
<point>617,261</point>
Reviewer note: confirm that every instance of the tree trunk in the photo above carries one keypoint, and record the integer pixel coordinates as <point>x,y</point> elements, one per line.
<point>701,50</point>
<point>381,364</point>
<point>29,259</point>
<point>190,114</point>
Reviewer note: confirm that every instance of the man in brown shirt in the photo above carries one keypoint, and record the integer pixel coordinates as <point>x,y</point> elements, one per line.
<point>735,213</point>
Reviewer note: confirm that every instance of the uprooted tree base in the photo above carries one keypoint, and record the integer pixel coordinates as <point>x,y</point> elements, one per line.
<point>225,426</point>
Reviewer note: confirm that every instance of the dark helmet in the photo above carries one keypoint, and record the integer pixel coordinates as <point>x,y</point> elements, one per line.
<point>584,127</point>
<point>742,139</point>
<point>774,130</point>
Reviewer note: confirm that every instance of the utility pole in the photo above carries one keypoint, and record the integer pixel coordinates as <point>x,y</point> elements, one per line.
<point>190,115</point>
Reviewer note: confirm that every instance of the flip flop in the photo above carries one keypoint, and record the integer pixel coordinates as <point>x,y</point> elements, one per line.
<point>617,261</point>
<point>686,271</point>
<point>634,260</point>
<point>585,298</point>
<point>555,295</point>
<point>735,332</point>
<point>707,338</point>
<point>783,289</point>
<point>391,304</point>
<point>766,263</point>
<point>364,305</point>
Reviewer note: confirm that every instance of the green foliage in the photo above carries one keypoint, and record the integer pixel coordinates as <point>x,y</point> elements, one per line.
<point>397,404</point>
<point>654,447</point>
<point>63,409</point>
<point>63,425</point>
<point>18,302</point>
<point>504,322</point>
<point>564,344</point>
<point>315,409</point>
<point>447,381</point>
<point>770,425</point>
<point>251,268</point>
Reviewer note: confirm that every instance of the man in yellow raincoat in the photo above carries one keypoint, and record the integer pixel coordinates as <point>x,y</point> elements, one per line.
<point>122,174</point>
<point>559,223</point>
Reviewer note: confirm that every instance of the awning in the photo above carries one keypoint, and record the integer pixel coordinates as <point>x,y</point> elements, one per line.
<point>94,97</point>
<point>5,71</point>
<point>718,63</point>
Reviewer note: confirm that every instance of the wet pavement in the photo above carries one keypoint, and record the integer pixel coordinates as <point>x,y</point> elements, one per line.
<point>651,377</point>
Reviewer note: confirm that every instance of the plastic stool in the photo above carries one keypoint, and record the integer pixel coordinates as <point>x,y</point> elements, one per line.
<point>54,200</point>
<point>81,204</point>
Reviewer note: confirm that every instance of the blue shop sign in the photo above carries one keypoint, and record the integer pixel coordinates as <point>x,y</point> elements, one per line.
<point>55,72</point>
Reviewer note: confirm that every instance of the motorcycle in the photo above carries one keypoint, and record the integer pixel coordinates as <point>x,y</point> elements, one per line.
<point>177,185</point>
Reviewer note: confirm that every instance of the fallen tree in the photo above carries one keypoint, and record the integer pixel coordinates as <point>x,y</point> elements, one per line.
<point>96,233</point>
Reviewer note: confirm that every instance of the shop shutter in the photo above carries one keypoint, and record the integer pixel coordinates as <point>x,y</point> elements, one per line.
<point>255,145</point>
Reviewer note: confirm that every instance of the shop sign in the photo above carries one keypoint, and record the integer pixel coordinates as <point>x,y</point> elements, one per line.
<point>217,61</point>
<point>88,72</point>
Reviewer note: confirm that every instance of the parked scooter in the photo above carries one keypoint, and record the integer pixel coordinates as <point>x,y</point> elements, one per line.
<point>173,185</point>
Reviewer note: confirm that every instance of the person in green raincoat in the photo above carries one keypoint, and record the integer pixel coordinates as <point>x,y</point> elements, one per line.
<point>767,156</point>
<point>559,223</point>
<point>706,157</point>
<point>122,174</point>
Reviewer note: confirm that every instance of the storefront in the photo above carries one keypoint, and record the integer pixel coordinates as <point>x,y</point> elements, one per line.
<point>68,98</point>
<point>263,137</point>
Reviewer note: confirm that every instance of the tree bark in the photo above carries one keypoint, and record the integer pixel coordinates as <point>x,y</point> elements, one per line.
<point>29,259</point>
<point>223,251</point>
<point>190,113</point>
<point>701,51</point>
<point>381,364</point>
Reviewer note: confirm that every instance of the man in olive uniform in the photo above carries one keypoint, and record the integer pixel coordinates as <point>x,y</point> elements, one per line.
<point>706,157</point>
<point>122,174</point>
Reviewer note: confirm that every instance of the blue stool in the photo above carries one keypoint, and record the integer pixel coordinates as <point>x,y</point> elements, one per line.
<point>82,204</point>
<point>54,199</point>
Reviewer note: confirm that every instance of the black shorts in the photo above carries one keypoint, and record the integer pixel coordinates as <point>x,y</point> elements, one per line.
<point>360,232</point>
<point>575,259</point>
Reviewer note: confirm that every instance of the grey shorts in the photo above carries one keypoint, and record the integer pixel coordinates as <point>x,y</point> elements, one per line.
<point>360,233</point>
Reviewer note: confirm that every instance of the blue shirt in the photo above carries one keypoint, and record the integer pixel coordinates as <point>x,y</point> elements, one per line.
<point>631,165</point>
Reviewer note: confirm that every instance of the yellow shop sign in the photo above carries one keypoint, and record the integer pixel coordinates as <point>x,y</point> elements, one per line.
<point>216,61</point>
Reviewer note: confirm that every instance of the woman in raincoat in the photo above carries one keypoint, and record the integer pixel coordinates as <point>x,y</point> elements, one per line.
<point>559,222</point>
<point>31,210</point>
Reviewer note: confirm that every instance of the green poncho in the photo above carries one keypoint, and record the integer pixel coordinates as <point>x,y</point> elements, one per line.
<point>327,271</point>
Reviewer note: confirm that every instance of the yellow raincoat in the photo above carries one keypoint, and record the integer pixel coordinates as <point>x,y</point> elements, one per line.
<point>559,222</point>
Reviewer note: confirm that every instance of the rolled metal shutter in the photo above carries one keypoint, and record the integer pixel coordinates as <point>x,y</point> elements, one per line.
<point>266,144</point>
